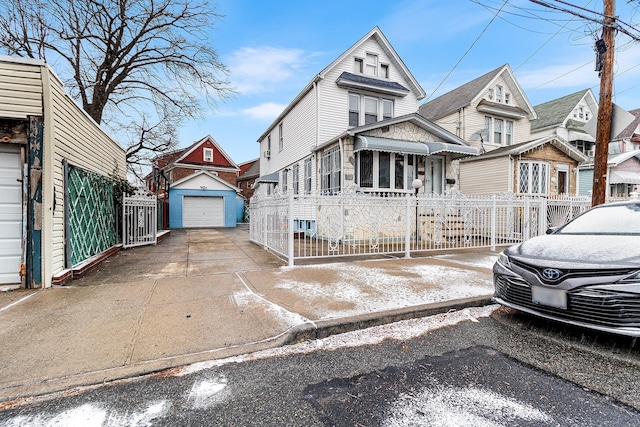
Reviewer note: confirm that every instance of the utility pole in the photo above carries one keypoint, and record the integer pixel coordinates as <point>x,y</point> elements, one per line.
<point>605,48</point>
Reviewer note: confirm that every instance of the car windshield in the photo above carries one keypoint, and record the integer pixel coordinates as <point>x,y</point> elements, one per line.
<point>612,219</point>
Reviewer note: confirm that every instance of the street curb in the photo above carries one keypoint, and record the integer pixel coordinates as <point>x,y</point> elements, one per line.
<point>16,396</point>
<point>326,328</point>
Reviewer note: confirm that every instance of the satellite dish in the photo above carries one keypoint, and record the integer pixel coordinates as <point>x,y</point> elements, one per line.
<point>480,135</point>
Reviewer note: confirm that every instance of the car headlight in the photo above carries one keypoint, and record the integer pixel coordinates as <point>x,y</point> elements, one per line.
<point>632,278</point>
<point>504,260</point>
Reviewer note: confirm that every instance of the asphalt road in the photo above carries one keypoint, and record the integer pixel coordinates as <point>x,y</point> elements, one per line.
<point>508,369</point>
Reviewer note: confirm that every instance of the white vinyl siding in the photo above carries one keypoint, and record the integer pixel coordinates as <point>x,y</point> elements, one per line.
<point>485,177</point>
<point>20,90</point>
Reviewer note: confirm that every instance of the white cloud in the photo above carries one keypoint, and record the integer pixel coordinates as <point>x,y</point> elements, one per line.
<point>256,69</point>
<point>267,111</point>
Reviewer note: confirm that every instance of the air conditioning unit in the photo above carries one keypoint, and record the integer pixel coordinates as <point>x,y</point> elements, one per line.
<point>591,153</point>
<point>267,154</point>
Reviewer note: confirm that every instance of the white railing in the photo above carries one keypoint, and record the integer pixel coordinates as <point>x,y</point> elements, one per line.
<point>354,223</point>
<point>139,219</point>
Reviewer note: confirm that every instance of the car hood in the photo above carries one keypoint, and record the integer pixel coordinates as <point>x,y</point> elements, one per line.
<point>588,251</point>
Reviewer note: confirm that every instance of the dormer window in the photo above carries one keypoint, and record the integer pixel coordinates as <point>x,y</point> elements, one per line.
<point>371,65</point>
<point>208,154</point>
<point>384,71</point>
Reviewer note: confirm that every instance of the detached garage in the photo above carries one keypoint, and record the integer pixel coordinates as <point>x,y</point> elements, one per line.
<point>202,200</point>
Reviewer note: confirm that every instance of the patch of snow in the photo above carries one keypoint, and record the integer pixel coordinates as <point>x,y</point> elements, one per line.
<point>207,392</point>
<point>87,415</point>
<point>246,298</point>
<point>369,289</point>
<point>401,331</point>
<point>140,419</point>
<point>441,406</point>
<point>483,260</point>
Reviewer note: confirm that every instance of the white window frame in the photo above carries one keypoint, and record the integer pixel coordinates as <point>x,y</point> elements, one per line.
<point>280,138</point>
<point>361,105</point>
<point>330,171</point>
<point>285,180</point>
<point>499,94</point>
<point>207,154</point>
<point>371,64</point>
<point>505,137</point>
<point>358,65</point>
<point>295,178</point>
<point>307,175</point>
<point>384,71</point>
<point>408,174</point>
<point>269,143</point>
<point>539,188</point>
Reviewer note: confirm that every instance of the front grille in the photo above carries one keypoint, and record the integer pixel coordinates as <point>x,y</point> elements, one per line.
<point>573,273</point>
<point>596,306</point>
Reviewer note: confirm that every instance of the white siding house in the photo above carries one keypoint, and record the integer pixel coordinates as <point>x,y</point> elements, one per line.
<point>355,123</point>
<point>51,134</point>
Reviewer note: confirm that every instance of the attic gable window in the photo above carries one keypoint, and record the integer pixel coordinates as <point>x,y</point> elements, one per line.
<point>371,65</point>
<point>208,155</point>
<point>358,66</point>
<point>384,71</point>
<point>498,93</point>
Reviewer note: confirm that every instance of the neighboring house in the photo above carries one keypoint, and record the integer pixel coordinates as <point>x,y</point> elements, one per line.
<point>490,112</point>
<point>623,175</point>
<point>355,123</point>
<point>58,179</point>
<point>174,170</point>
<point>566,118</point>
<point>629,138</point>
<point>249,172</point>
<point>543,167</point>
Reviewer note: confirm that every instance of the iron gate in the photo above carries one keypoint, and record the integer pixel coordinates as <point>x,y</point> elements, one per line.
<point>139,219</point>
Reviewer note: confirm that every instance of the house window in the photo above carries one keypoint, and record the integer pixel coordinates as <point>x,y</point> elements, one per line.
<point>383,170</point>
<point>507,98</point>
<point>280,138</point>
<point>498,93</point>
<point>285,180</point>
<point>371,65</point>
<point>354,109</point>
<point>295,178</point>
<point>269,143</point>
<point>491,94</point>
<point>358,65</point>
<point>330,171</point>
<point>208,154</point>
<point>370,110</point>
<point>307,176</point>
<point>384,71</point>
<point>508,132</point>
<point>375,109</point>
<point>533,178</point>
<point>387,109</point>
<point>499,131</point>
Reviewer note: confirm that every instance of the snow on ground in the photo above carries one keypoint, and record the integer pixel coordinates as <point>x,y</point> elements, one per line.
<point>481,259</point>
<point>367,289</point>
<point>444,406</point>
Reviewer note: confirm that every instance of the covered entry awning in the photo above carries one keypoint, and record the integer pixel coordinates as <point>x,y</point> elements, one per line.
<point>364,142</point>
<point>624,177</point>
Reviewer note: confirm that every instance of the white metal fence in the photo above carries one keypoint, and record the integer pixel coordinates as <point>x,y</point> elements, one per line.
<point>139,219</point>
<point>355,223</point>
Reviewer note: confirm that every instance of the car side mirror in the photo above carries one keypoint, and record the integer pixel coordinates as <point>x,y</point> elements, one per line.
<point>552,230</point>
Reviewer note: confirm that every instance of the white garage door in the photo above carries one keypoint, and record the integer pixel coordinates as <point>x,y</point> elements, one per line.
<point>10,214</point>
<point>202,212</point>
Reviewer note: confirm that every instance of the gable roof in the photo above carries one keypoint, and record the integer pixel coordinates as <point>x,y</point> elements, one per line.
<point>464,95</point>
<point>557,111</point>
<point>524,147</point>
<point>190,149</point>
<point>206,174</point>
<point>376,34</point>
<point>251,172</point>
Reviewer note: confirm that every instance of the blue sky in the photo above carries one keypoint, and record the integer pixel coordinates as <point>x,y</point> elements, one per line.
<point>274,48</point>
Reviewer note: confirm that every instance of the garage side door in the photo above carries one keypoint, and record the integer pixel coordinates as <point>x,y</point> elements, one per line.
<point>10,214</point>
<point>202,212</point>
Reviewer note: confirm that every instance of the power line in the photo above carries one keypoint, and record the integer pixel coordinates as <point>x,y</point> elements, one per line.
<point>468,50</point>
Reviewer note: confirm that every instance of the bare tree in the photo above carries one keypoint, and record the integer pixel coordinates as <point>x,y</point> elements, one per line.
<point>147,62</point>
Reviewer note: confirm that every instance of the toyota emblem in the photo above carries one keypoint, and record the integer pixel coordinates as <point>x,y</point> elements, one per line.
<point>551,273</point>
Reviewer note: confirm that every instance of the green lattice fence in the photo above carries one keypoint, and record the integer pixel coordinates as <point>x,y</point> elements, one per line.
<point>91,214</point>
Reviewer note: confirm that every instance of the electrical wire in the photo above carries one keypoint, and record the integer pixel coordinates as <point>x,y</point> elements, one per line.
<point>468,50</point>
